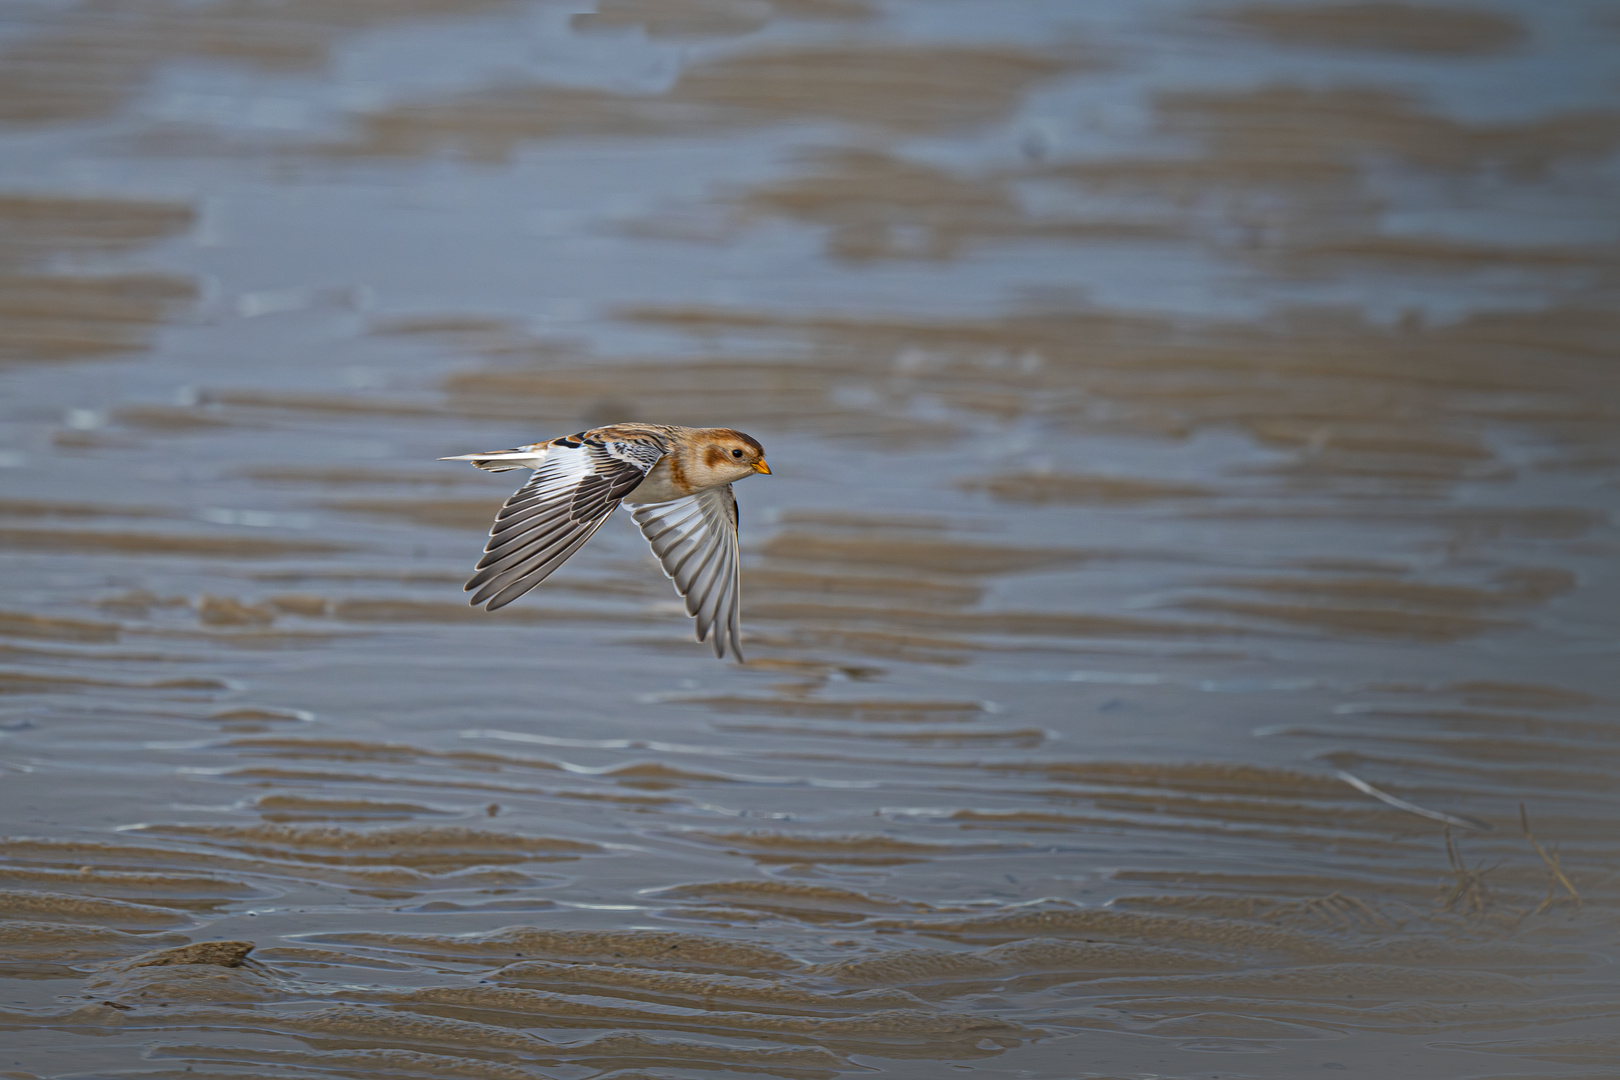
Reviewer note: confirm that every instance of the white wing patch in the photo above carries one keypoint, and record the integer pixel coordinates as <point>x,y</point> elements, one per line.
<point>695,539</point>
<point>571,494</point>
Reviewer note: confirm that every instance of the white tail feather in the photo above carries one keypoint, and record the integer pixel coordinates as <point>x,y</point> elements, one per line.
<point>502,460</point>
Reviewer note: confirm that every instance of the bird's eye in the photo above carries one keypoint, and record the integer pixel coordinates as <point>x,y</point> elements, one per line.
<point>736,453</point>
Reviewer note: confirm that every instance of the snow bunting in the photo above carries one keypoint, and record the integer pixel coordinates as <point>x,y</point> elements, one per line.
<point>678,483</point>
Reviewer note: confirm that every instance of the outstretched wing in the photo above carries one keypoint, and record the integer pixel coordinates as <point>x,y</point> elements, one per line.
<point>695,539</point>
<point>576,487</point>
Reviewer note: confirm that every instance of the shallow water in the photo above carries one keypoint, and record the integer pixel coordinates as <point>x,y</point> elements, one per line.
<point>1180,624</point>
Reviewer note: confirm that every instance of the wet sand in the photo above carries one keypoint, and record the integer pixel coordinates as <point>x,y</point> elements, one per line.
<point>1180,622</point>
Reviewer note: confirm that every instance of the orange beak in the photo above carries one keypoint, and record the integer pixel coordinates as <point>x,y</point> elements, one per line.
<point>760,466</point>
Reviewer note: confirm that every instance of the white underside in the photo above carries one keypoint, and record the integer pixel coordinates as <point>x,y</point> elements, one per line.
<point>657,488</point>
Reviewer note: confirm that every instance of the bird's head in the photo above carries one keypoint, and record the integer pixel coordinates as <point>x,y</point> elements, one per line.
<point>727,456</point>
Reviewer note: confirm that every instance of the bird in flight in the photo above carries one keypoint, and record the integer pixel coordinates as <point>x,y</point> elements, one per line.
<point>677,481</point>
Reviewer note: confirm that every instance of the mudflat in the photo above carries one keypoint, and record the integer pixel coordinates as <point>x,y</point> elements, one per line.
<point>1181,620</point>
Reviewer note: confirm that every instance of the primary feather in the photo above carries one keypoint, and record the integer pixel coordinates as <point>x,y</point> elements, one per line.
<point>695,539</point>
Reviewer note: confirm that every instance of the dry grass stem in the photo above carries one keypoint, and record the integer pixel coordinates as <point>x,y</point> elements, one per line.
<point>1448,820</point>
<point>1468,892</point>
<point>1558,877</point>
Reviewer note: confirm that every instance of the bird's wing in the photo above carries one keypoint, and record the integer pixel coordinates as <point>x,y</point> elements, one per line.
<point>579,483</point>
<point>695,539</point>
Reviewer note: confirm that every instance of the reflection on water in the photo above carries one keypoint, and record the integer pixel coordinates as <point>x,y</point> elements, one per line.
<point>1181,623</point>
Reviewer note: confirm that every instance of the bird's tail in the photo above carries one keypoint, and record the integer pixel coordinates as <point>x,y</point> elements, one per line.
<point>522,457</point>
